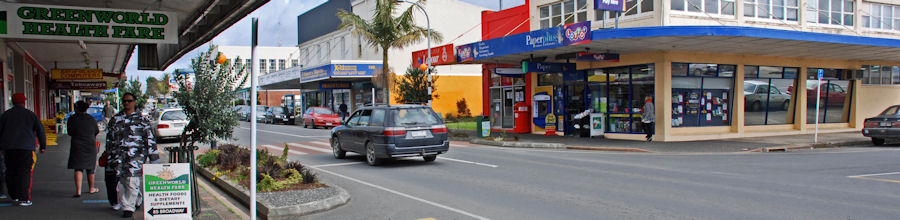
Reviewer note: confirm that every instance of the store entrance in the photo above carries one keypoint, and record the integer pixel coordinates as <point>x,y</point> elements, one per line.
<point>574,104</point>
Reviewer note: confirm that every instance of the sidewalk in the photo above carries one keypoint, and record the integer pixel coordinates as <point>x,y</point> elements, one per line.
<point>724,145</point>
<point>53,187</point>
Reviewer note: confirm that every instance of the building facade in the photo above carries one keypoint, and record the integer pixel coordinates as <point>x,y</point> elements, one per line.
<point>713,69</point>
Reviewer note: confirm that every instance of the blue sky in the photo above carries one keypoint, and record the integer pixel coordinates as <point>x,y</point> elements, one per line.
<point>278,27</point>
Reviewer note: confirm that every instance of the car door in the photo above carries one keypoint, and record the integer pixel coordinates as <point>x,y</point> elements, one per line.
<point>776,98</point>
<point>375,130</point>
<point>836,95</point>
<point>362,126</point>
<point>347,137</point>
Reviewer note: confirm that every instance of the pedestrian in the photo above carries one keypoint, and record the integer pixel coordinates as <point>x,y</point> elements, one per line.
<point>108,112</point>
<point>130,143</point>
<point>83,148</point>
<point>21,132</point>
<point>343,109</point>
<point>3,193</point>
<point>648,117</point>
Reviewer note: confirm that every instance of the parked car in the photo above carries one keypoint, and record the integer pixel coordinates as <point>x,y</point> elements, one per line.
<point>96,112</point>
<point>243,112</point>
<point>261,113</point>
<point>884,126</point>
<point>391,131</point>
<point>168,123</point>
<point>759,96</point>
<point>278,114</point>
<point>835,93</point>
<point>320,116</point>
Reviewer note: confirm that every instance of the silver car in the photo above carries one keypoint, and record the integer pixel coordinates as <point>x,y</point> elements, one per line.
<point>759,96</point>
<point>168,123</point>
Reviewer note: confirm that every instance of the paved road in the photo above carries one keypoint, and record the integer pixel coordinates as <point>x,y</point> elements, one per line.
<point>473,181</point>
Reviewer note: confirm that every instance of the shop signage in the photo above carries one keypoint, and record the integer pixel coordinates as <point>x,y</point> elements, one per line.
<point>79,85</point>
<point>547,67</point>
<point>439,55</point>
<point>167,191</point>
<point>50,131</point>
<point>571,34</point>
<point>609,5</point>
<point>334,85</point>
<point>597,57</point>
<point>54,22</point>
<point>338,71</point>
<point>75,74</point>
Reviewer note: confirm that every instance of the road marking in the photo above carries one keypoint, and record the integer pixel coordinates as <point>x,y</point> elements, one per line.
<point>282,149</point>
<point>336,164</point>
<point>310,147</point>
<point>402,194</point>
<point>874,174</point>
<point>320,143</point>
<point>469,162</point>
<point>292,135</point>
<point>95,201</point>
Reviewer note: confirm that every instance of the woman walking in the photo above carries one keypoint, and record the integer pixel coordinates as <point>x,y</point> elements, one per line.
<point>82,127</point>
<point>648,117</point>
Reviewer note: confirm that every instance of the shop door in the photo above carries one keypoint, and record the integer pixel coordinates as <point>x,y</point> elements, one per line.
<point>559,108</point>
<point>574,94</point>
<point>508,120</point>
<point>496,103</point>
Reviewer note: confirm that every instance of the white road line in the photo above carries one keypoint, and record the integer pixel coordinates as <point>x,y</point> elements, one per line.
<point>874,174</point>
<point>403,194</point>
<point>310,147</point>
<point>292,135</point>
<point>469,162</point>
<point>321,143</point>
<point>281,149</point>
<point>336,164</point>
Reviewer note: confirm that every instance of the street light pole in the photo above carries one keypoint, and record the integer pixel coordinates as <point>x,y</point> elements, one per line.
<point>428,38</point>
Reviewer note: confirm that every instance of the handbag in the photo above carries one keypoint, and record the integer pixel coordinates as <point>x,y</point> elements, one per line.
<point>103,159</point>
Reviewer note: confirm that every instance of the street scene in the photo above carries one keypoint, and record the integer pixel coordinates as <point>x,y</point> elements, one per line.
<point>449,109</point>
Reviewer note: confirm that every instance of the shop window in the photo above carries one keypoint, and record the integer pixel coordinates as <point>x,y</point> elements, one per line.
<point>550,79</point>
<point>564,12</point>
<point>837,12</point>
<point>720,7</point>
<point>281,64</point>
<point>768,94</point>
<point>881,75</point>
<point>619,92</point>
<point>772,9</point>
<point>702,94</point>
<point>834,95</point>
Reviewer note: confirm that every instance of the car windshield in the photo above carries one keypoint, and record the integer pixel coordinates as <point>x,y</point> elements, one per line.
<point>260,108</point>
<point>749,87</point>
<point>278,110</point>
<point>414,116</point>
<point>324,111</point>
<point>891,111</point>
<point>173,115</point>
<point>94,110</point>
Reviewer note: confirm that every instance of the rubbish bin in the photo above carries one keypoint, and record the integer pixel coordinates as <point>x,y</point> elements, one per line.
<point>483,126</point>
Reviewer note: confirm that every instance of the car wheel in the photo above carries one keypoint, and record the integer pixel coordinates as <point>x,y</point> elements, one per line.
<point>305,125</point>
<point>878,141</point>
<point>313,124</point>
<point>786,105</point>
<point>371,159</point>
<point>756,106</point>
<point>336,149</point>
<point>429,158</point>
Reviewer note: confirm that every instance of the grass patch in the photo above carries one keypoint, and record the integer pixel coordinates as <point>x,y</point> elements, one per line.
<point>466,125</point>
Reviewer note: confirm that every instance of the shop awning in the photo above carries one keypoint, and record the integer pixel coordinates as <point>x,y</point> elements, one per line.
<point>308,78</point>
<point>709,39</point>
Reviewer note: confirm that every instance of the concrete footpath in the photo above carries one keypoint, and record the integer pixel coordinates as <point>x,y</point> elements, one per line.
<point>754,144</point>
<point>53,187</point>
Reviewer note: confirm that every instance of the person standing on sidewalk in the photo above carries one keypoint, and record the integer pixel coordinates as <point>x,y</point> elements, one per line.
<point>83,154</point>
<point>108,112</point>
<point>20,133</point>
<point>648,117</point>
<point>131,143</point>
<point>343,109</point>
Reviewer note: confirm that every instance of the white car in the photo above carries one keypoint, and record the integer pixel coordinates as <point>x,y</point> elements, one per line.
<point>168,123</point>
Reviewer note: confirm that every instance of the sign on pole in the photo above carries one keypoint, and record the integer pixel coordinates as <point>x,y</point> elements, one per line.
<point>167,191</point>
<point>818,99</point>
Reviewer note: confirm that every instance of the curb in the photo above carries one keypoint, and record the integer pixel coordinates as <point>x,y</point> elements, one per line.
<point>518,144</point>
<point>265,210</point>
<point>785,148</point>
<point>622,149</point>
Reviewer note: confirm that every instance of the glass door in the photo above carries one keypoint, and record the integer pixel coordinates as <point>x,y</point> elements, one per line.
<point>508,120</point>
<point>496,103</point>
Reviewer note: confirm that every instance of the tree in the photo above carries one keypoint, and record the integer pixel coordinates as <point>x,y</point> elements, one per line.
<point>133,86</point>
<point>413,87</point>
<point>207,100</point>
<point>163,85</point>
<point>385,31</point>
<point>462,109</point>
<point>152,88</point>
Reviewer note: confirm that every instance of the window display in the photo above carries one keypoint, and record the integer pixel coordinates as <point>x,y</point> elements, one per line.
<point>768,95</point>
<point>702,96</point>
<point>619,92</point>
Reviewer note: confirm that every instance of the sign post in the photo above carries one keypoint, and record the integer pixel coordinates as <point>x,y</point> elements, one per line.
<point>167,191</point>
<point>818,99</point>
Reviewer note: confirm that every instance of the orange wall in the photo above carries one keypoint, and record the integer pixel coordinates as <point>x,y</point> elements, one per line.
<point>453,88</point>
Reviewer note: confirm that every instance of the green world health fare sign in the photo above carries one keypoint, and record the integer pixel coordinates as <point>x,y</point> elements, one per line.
<point>167,191</point>
<point>51,22</point>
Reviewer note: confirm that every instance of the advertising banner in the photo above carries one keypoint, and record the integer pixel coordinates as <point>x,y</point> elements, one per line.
<point>609,5</point>
<point>577,33</point>
<point>56,22</point>
<point>339,71</point>
<point>313,74</point>
<point>50,131</point>
<point>547,67</point>
<point>75,74</point>
<point>443,54</point>
<point>334,85</point>
<point>597,122</point>
<point>525,42</point>
<point>597,57</point>
<point>167,191</point>
<point>79,85</point>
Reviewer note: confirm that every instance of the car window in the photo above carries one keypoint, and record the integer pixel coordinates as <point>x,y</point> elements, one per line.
<point>364,118</point>
<point>377,118</point>
<point>774,90</point>
<point>278,110</point>
<point>763,89</point>
<point>835,88</point>
<point>749,87</point>
<point>354,119</point>
<point>893,110</point>
<point>173,115</point>
<point>324,111</point>
<point>414,116</point>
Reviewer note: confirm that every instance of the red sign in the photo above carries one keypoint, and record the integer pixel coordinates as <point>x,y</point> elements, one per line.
<point>439,55</point>
<point>78,85</point>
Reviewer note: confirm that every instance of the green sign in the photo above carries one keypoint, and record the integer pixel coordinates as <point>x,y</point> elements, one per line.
<point>167,191</point>
<point>51,22</point>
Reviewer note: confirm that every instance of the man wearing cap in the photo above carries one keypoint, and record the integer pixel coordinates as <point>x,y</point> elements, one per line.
<point>20,133</point>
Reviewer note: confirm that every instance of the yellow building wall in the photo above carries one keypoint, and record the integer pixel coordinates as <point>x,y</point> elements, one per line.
<point>875,98</point>
<point>451,89</point>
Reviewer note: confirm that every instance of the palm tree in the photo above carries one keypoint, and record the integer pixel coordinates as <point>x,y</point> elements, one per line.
<point>386,31</point>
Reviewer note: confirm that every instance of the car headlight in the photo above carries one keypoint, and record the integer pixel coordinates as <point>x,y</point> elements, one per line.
<point>278,116</point>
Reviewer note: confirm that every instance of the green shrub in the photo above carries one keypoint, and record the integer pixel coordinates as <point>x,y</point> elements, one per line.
<point>209,158</point>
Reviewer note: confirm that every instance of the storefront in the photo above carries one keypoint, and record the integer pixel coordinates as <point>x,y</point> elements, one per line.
<point>725,88</point>
<point>330,85</point>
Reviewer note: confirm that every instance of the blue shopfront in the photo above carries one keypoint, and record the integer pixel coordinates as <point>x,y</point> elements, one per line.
<point>330,85</point>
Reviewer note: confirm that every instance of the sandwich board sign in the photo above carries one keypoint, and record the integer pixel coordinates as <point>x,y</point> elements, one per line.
<point>167,191</point>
